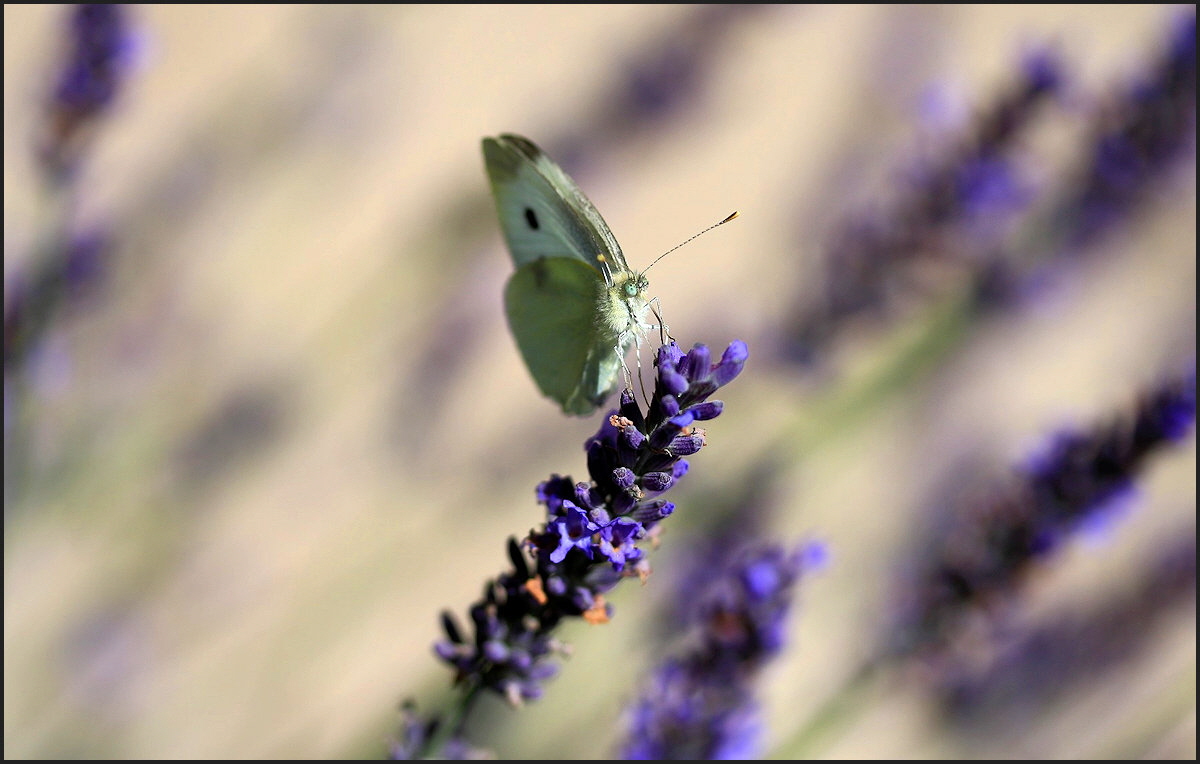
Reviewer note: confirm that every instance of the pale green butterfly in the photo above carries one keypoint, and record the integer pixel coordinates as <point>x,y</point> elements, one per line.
<point>574,305</point>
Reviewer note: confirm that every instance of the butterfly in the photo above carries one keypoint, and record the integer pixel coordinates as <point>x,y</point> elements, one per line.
<point>574,305</point>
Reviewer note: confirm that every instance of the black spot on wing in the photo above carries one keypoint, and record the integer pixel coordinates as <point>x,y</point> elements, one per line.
<point>531,219</point>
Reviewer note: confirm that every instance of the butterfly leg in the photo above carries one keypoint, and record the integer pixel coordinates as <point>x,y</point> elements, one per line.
<point>664,331</point>
<point>621,349</point>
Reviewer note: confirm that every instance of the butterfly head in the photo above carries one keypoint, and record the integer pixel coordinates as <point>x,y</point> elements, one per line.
<point>635,286</point>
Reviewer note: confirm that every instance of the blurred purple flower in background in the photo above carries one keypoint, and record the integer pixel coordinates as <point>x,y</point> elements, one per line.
<point>65,278</point>
<point>1136,140</point>
<point>93,69</point>
<point>1138,134</point>
<point>90,78</point>
<point>417,734</point>
<point>1077,646</point>
<point>967,210</point>
<point>981,548</point>
<point>659,83</point>
<point>947,208</point>
<point>700,703</point>
<point>69,259</point>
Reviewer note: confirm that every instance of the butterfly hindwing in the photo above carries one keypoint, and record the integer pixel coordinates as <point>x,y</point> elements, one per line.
<point>550,305</point>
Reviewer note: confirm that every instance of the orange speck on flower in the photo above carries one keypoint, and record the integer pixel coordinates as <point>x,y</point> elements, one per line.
<point>597,613</point>
<point>536,590</point>
<point>643,574</point>
<point>653,536</point>
<point>620,422</point>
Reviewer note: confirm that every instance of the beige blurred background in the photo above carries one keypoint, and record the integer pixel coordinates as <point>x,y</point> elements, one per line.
<point>290,428</point>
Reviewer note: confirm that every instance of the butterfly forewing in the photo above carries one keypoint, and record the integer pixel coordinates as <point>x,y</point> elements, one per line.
<point>542,211</point>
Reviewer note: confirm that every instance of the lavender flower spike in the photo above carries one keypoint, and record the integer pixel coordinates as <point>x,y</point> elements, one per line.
<point>98,43</point>
<point>701,705</point>
<point>985,546</point>
<point>950,207</point>
<point>418,733</point>
<point>1145,131</point>
<point>589,541</point>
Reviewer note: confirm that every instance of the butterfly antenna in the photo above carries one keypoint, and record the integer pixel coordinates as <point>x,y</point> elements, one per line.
<point>685,241</point>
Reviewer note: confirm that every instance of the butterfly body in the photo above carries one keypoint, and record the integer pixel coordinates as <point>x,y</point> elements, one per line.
<point>622,305</point>
<point>574,305</point>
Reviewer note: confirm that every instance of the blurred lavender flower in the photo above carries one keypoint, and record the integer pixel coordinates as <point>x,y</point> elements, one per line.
<point>951,208</point>
<point>417,734</point>
<point>99,43</point>
<point>589,541</point>
<point>657,83</point>
<point>71,262</point>
<point>1077,647</point>
<point>64,276</point>
<point>1139,136</point>
<point>735,516</point>
<point>1136,141</point>
<point>701,705</point>
<point>672,71</point>
<point>987,544</point>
